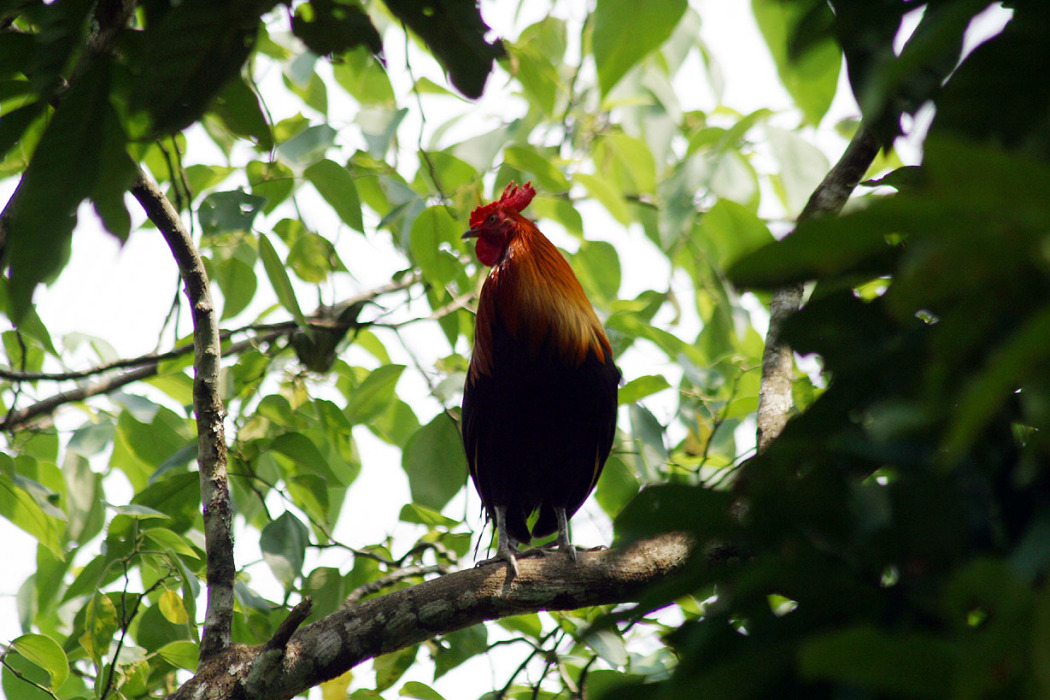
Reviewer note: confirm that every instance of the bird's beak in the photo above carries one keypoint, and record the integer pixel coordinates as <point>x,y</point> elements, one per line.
<point>472,233</point>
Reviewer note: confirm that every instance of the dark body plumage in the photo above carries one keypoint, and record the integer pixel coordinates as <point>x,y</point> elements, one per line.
<point>539,405</point>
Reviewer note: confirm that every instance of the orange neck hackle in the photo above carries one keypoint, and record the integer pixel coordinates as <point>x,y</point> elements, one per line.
<point>531,289</point>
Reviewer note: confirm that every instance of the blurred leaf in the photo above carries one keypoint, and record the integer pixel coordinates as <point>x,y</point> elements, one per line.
<point>433,234</point>
<point>335,688</point>
<point>225,212</point>
<point>912,664</point>
<point>307,146</point>
<point>529,160</point>
<point>81,154</point>
<point>455,33</point>
<point>282,286</point>
<point>283,543</point>
<point>237,106</point>
<point>802,167</point>
<point>336,185</point>
<point>625,32</point>
<point>334,26</point>
<point>421,515</point>
<point>811,77</point>
<point>640,387</point>
<point>181,654</point>
<point>390,667</point>
<point>374,394</point>
<point>19,508</point>
<point>361,75</point>
<point>731,231</point>
<point>435,463</point>
<point>457,647</point>
<point>598,268</point>
<point>192,50</point>
<point>415,689</point>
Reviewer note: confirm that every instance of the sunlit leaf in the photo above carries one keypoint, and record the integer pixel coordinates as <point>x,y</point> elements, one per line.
<point>625,32</point>
<point>435,463</point>
<point>336,185</point>
<point>45,653</point>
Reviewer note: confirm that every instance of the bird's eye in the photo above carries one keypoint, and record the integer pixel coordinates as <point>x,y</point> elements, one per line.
<point>492,218</point>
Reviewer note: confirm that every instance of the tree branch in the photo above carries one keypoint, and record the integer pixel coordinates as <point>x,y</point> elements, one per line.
<point>207,405</point>
<point>331,646</point>
<point>145,366</point>
<point>774,394</point>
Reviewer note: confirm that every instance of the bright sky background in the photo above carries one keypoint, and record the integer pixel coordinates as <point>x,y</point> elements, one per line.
<point>122,295</point>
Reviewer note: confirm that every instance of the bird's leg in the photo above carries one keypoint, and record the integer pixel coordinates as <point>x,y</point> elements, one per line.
<point>564,544</point>
<point>505,547</point>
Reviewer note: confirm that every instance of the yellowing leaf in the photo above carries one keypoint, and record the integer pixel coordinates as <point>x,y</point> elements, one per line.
<point>172,609</point>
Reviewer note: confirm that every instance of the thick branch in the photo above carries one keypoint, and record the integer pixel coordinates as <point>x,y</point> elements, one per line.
<point>207,405</point>
<point>774,395</point>
<point>381,625</point>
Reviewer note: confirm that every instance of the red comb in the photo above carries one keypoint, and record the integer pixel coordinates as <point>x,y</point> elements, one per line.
<point>514,199</point>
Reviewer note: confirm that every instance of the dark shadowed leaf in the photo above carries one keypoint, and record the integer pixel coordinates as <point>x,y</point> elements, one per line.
<point>237,106</point>
<point>455,34</point>
<point>192,51</point>
<point>334,26</point>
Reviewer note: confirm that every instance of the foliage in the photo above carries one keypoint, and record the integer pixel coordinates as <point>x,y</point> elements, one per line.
<point>890,542</point>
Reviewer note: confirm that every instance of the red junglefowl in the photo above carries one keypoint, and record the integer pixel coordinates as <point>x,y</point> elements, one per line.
<point>539,405</point>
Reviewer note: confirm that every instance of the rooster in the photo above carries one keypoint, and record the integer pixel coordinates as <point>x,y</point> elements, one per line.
<point>539,404</point>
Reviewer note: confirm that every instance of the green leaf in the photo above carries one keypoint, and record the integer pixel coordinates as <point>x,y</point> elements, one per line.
<point>458,647</point>
<point>181,654</point>
<point>237,281</point>
<point>308,146</point>
<point>434,234</point>
<point>455,33</point>
<point>361,75</point>
<point>802,167</point>
<point>602,190</point>
<point>237,106</point>
<point>640,387</point>
<point>373,395</point>
<point>435,463</point>
<point>529,160</point>
<point>283,543</point>
<point>191,51</point>
<point>76,157</point>
<point>229,212</point>
<point>415,689</point>
<point>100,623</point>
<point>625,32</point>
<point>616,486</point>
<point>811,78</point>
<point>166,539</point>
<point>336,185</point>
<point>421,515</point>
<point>328,27</point>
<point>390,667</point>
<point>608,645</point>
<point>597,266</point>
<point>730,231</point>
<point>899,664</point>
<point>45,653</point>
<point>282,286</point>
<point>19,507</point>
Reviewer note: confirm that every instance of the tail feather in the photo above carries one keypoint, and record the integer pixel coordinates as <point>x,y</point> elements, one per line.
<point>546,524</point>
<point>517,527</point>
